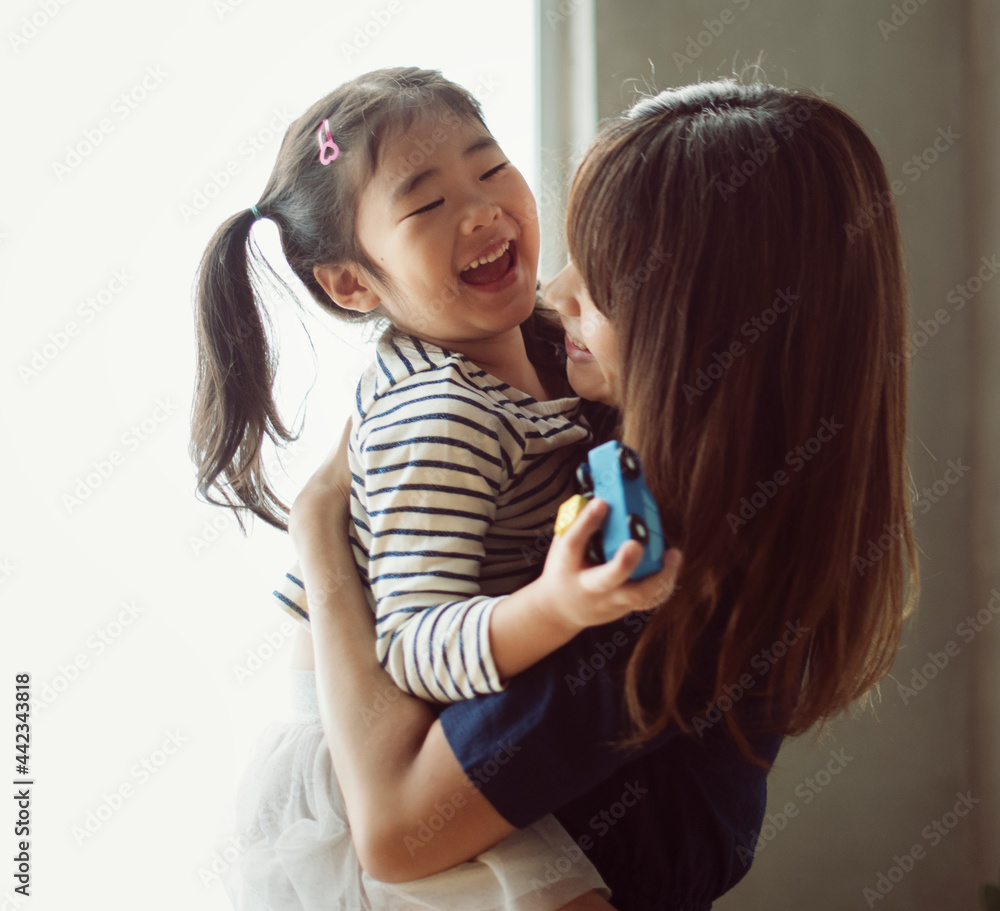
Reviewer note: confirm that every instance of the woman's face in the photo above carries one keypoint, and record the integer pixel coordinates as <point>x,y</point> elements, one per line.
<point>591,341</point>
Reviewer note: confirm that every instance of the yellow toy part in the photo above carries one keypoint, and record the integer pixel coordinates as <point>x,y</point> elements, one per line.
<point>568,512</point>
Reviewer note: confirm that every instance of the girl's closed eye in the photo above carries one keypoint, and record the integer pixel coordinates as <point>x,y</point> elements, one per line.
<point>493,171</point>
<point>427,208</point>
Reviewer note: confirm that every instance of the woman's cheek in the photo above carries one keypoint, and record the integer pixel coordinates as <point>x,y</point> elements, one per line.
<point>590,382</point>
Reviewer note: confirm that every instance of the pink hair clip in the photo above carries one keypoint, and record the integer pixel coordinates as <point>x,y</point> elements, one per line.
<point>328,149</point>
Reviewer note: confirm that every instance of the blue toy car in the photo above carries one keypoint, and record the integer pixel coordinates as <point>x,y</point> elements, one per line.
<point>613,473</point>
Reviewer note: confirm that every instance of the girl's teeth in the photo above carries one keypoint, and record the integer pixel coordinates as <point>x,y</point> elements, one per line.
<point>488,259</point>
<point>578,343</point>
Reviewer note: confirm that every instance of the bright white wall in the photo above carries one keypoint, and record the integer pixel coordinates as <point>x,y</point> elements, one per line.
<point>221,78</point>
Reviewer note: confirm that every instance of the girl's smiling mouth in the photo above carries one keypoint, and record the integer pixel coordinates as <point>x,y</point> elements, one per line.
<point>494,270</point>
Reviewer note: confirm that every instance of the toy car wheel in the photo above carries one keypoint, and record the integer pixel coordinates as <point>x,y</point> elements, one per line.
<point>638,530</point>
<point>595,550</point>
<point>584,480</point>
<point>628,460</point>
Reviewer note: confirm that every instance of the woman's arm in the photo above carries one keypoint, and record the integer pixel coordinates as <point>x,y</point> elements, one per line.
<point>394,765</point>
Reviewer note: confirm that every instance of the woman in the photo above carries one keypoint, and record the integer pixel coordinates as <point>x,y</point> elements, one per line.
<point>716,298</point>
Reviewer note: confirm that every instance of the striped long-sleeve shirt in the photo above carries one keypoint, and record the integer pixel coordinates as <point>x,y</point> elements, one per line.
<point>457,479</point>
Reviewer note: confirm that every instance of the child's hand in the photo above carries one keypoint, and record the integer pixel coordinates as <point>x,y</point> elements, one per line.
<point>582,595</point>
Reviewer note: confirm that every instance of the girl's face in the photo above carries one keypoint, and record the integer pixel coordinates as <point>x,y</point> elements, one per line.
<point>591,341</point>
<point>455,227</point>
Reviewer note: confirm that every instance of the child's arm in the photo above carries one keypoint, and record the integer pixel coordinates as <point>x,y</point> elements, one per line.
<point>569,597</point>
<point>439,638</point>
<point>545,614</point>
<point>430,482</point>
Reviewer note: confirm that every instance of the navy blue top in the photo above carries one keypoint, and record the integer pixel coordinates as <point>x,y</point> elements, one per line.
<point>669,826</point>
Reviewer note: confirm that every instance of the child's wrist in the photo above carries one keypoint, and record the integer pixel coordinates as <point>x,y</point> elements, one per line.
<point>550,610</point>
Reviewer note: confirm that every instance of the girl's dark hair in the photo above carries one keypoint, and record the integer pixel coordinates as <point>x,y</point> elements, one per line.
<point>314,206</point>
<point>743,241</point>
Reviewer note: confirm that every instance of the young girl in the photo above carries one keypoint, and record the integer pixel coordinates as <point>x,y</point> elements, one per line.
<point>749,340</point>
<point>393,200</point>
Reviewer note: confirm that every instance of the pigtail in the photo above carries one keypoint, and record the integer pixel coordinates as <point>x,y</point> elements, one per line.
<point>234,406</point>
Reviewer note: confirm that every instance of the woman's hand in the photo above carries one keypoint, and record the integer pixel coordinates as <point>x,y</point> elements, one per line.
<point>320,514</point>
<point>583,595</point>
<point>328,488</point>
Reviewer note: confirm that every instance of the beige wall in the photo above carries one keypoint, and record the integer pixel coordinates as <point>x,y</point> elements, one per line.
<point>903,767</point>
<point>983,193</point>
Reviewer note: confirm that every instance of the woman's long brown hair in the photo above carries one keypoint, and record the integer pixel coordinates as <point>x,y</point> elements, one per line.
<point>744,243</point>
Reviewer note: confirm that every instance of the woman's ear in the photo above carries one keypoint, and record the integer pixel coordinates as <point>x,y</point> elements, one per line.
<point>347,287</point>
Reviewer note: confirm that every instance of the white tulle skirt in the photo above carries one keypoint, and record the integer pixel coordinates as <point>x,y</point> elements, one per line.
<point>298,854</point>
